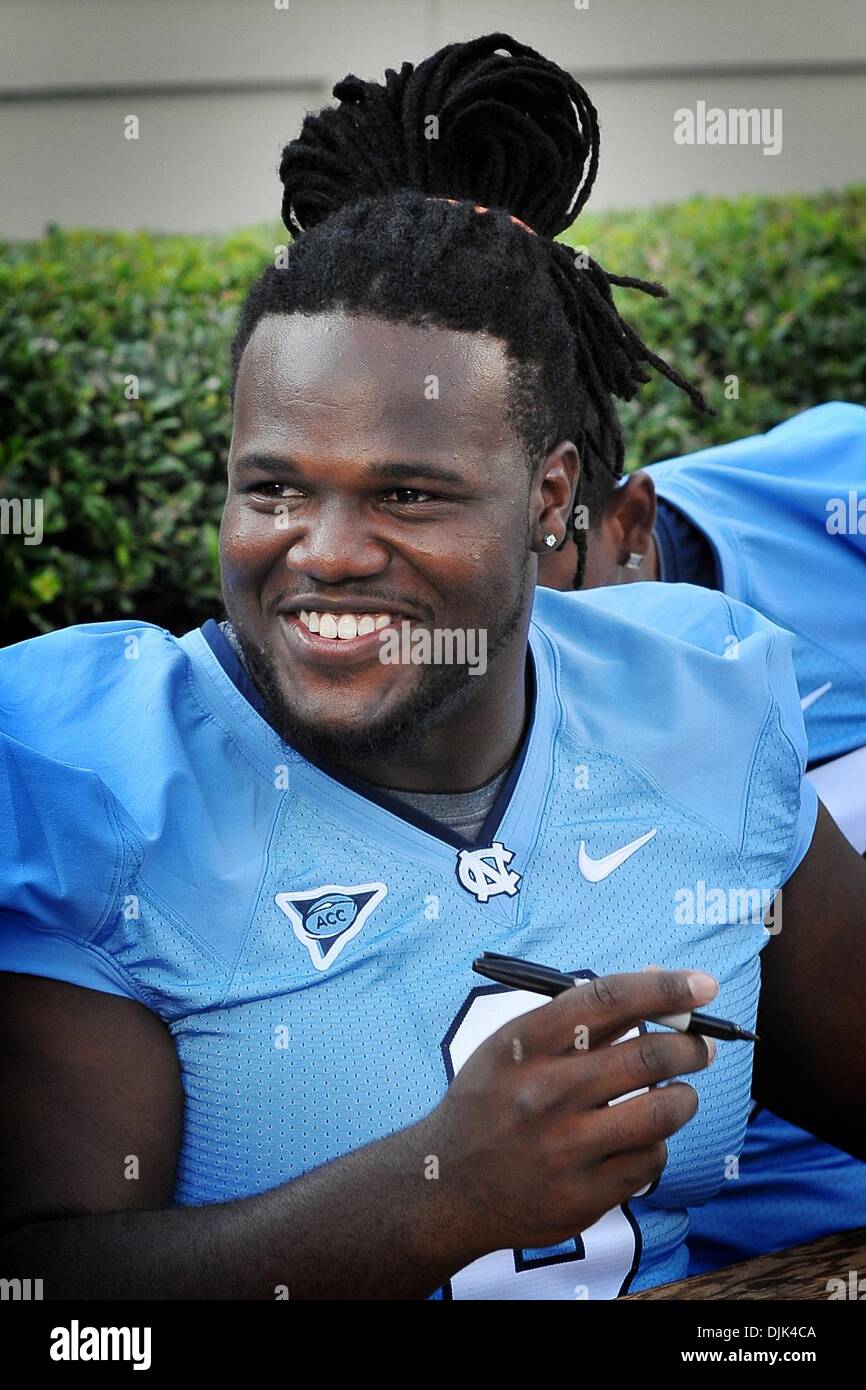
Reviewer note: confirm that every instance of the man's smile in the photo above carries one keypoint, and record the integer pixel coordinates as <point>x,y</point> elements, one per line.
<point>343,631</point>
<point>333,637</point>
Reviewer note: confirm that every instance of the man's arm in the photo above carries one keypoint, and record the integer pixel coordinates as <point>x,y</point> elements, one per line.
<point>91,1083</point>
<point>810,1065</point>
<point>529,1150</point>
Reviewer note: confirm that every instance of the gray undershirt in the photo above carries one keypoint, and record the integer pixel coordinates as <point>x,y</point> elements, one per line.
<point>463,812</point>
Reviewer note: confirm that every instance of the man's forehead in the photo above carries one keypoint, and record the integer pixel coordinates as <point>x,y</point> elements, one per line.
<point>344,373</point>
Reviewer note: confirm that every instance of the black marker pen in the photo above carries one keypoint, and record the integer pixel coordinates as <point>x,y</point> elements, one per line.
<point>543,979</point>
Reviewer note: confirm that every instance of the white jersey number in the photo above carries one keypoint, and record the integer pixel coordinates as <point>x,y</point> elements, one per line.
<point>600,1262</point>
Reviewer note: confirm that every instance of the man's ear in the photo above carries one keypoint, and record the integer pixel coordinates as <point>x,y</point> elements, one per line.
<point>629,516</point>
<point>553,495</point>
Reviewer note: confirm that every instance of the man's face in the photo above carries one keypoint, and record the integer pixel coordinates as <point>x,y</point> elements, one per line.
<point>373,480</point>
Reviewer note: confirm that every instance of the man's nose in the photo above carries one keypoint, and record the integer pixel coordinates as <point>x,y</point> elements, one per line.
<point>335,544</point>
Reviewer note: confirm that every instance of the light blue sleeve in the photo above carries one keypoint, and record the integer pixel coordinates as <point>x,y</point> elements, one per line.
<point>65,856</point>
<point>782,805</point>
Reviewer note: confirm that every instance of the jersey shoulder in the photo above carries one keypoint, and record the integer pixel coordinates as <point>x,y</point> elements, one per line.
<point>139,816</point>
<point>774,502</point>
<point>699,691</point>
<point>652,621</point>
<point>816,448</point>
<point>779,506</point>
<point>66,689</point>
<point>81,714</point>
<point>69,852</point>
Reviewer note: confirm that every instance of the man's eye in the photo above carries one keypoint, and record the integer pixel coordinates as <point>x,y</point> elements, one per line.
<point>408,495</point>
<point>284,490</point>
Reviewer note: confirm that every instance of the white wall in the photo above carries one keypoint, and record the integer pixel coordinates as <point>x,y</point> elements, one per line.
<point>220,85</point>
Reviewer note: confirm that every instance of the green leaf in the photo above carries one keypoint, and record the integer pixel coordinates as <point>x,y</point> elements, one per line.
<point>45,584</point>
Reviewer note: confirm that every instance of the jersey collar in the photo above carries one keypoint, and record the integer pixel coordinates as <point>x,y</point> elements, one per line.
<point>514,816</point>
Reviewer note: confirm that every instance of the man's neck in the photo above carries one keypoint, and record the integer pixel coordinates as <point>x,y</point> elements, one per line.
<point>485,741</point>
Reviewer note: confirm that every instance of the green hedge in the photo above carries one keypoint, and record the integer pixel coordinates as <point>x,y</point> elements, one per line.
<point>770,289</point>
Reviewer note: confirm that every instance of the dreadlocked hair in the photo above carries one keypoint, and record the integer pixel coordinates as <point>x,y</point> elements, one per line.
<point>381,194</point>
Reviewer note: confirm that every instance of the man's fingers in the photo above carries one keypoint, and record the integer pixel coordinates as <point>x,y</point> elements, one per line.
<point>607,1006</point>
<point>585,1080</point>
<point>629,1174</point>
<point>644,1120</point>
<point>610,1072</point>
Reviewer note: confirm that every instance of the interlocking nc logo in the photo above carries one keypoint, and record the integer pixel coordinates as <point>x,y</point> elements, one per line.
<point>326,919</point>
<point>485,873</point>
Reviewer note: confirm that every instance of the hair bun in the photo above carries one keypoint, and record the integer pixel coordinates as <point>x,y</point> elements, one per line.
<point>512,130</point>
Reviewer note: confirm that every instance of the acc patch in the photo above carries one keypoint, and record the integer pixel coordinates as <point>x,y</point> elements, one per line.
<point>326,919</point>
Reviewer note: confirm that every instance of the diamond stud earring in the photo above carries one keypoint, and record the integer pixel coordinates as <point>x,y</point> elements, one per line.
<point>634,561</point>
<point>550,539</point>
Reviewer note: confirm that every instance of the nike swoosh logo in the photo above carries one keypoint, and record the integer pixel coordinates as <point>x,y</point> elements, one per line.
<point>814,695</point>
<point>597,869</point>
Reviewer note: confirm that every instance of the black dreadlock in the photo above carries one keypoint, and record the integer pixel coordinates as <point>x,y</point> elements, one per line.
<point>366,190</point>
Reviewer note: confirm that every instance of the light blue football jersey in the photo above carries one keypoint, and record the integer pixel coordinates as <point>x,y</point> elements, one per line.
<point>309,940</point>
<point>785,513</point>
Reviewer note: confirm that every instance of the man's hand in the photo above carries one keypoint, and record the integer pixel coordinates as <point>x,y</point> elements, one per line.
<point>526,1133</point>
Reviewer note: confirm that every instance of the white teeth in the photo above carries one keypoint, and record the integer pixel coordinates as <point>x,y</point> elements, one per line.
<point>343,626</point>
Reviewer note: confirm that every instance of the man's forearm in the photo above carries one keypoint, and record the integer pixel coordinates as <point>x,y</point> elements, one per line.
<point>368,1225</point>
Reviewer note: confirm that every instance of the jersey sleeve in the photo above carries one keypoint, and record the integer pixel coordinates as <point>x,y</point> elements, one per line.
<point>67,853</point>
<point>780,793</point>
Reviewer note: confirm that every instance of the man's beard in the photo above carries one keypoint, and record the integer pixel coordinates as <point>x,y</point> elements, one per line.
<point>441,694</point>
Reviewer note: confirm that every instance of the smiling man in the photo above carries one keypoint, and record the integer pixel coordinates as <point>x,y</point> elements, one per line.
<point>349,515</point>
<point>247,870</point>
